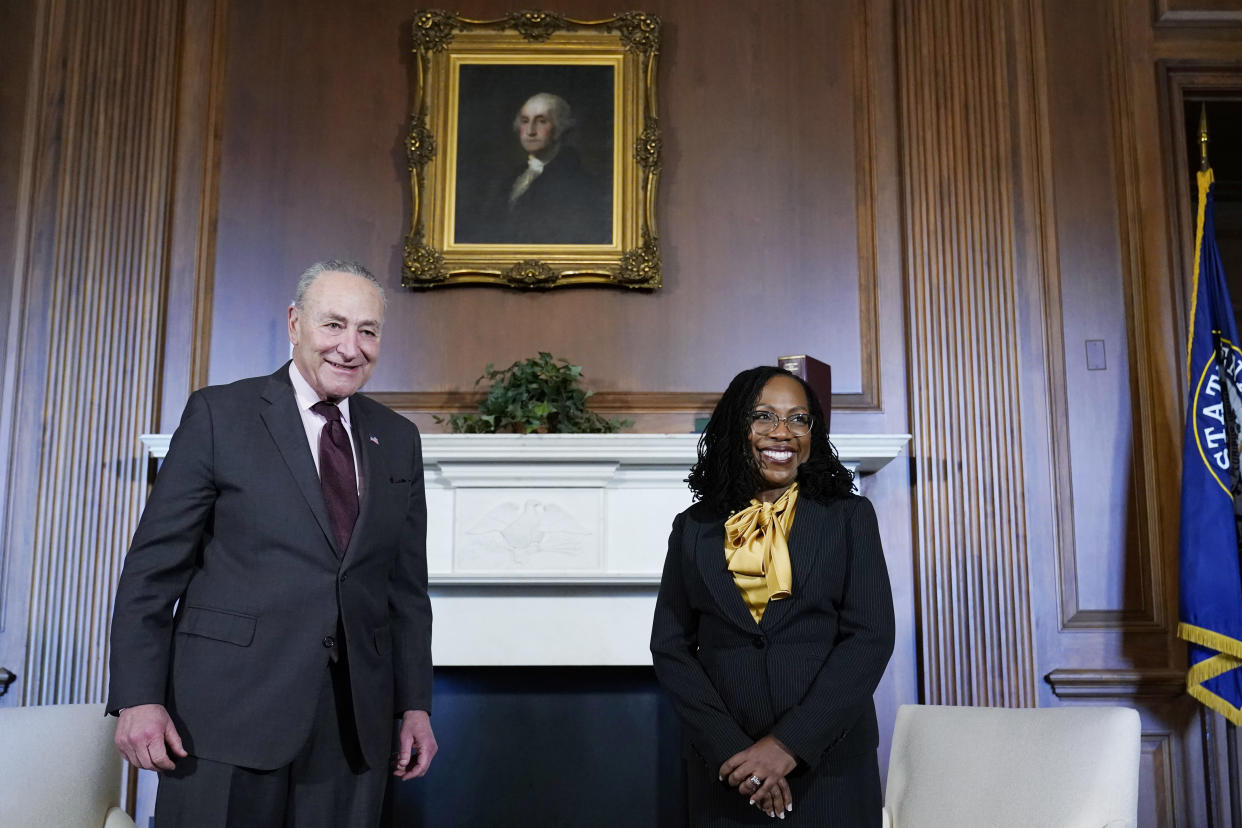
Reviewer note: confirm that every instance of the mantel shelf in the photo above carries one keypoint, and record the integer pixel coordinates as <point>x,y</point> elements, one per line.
<point>867,453</point>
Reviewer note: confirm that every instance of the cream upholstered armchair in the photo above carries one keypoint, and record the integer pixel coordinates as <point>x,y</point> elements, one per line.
<point>59,769</point>
<point>980,767</point>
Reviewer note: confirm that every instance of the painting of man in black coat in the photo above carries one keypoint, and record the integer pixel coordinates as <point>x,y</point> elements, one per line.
<point>547,194</point>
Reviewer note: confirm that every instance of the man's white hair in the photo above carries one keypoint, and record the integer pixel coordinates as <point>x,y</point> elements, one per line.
<point>556,106</point>
<point>313,272</point>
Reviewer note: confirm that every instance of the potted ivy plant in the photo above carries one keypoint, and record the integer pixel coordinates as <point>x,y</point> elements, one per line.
<point>537,394</point>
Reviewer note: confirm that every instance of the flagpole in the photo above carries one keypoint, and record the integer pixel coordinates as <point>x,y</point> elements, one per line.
<point>1210,794</point>
<point>1231,730</point>
<point>1203,137</point>
<point>1231,751</point>
<point>1209,767</point>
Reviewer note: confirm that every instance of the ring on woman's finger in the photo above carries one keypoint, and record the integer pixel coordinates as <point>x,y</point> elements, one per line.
<point>755,780</point>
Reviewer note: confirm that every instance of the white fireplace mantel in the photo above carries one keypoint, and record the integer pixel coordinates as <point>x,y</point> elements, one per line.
<point>867,453</point>
<point>546,549</point>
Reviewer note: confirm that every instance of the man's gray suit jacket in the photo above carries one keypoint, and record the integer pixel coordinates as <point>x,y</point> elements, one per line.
<point>236,535</point>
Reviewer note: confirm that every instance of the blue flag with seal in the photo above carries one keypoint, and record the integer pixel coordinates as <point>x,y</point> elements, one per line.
<point>1211,577</point>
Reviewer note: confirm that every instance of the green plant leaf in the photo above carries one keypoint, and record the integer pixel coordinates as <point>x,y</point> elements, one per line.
<point>539,393</point>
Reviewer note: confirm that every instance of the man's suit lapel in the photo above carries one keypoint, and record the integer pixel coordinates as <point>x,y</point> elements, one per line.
<point>367,453</point>
<point>284,423</point>
<point>806,546</point>
<point>709,554</point>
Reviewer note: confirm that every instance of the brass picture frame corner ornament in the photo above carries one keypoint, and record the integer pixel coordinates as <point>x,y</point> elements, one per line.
<point>423,266</point>
<point>533,148</point>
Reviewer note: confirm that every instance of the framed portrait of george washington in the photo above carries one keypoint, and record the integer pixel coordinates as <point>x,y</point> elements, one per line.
<point>534,151</point>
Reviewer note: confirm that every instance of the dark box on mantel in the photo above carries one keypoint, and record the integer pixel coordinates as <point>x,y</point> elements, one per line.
<point>818,375</point>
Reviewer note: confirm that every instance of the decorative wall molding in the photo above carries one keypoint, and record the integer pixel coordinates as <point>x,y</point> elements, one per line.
<point>970,535</point>
<point>1140,553</point>
<point>611,402</point>
<point>1041,244</point>
<point>867,199</point>
<point>1184,13</point>
<point>1159,764</point>
<point>1124,686</point>
<point>1075,512</point>
<point>194,205</point>
<point>105,139</point>
<point>608,403</point>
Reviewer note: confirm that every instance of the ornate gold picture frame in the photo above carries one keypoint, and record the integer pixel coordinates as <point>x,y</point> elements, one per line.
<point>534,151</point>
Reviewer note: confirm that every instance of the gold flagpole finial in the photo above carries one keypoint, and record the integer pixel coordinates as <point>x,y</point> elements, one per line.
<point>1203,137</point>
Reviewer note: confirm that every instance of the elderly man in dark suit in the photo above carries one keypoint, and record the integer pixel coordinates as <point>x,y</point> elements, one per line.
<point>272,619</point>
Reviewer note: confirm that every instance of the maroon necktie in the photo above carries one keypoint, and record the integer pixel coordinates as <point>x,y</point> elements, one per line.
<point>336,472</point>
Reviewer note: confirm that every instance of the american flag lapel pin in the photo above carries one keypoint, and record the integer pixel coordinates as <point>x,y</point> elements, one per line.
<point>374,439</point>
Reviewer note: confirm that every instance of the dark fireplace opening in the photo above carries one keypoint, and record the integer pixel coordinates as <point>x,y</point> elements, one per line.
<point>547,746</point>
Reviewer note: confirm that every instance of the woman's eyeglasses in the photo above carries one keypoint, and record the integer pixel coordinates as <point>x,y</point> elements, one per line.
<point>765,422</point>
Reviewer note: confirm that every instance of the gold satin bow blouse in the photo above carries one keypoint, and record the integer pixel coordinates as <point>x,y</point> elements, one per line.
<point>757,550</point>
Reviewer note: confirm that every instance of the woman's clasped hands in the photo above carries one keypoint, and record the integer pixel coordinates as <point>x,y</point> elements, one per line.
<point>758,773</point>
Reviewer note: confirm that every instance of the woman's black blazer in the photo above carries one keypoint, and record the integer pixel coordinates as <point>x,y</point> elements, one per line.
<point>807,673</point>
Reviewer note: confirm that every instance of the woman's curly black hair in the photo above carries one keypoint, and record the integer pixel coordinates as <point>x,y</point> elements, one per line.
<point>726,476</point>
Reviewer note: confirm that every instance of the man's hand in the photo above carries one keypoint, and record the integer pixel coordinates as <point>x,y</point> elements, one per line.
<point>145,735</point>
<point>770,762</point>
<point>416,737</point>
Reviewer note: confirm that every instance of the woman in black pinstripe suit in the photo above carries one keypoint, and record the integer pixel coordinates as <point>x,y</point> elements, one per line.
<point>774,621</point>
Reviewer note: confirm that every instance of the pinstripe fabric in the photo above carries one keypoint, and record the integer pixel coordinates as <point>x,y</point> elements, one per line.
<point>806,674</point>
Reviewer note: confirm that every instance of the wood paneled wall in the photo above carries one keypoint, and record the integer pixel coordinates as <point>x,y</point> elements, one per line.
<point>276,137</point>
<point>90,264</point>
<point>947,200</point>
<point>768,205</point>
<point>19,38</point>
<point>1042,170</point>
<point>962,278</point>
